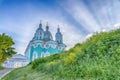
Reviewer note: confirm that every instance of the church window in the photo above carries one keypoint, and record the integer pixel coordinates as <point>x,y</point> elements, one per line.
<point>34,55</point>
<point>42,54</point>
<point>59,48</point>
<point>35,45</point>
<point>47,46</point>
<point>47,54</point>
<point>43,46</point>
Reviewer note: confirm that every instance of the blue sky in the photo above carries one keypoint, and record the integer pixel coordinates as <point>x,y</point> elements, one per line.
<point>78,19</point>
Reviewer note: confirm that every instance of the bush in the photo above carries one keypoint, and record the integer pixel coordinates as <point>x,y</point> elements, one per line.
<point>1,67</point>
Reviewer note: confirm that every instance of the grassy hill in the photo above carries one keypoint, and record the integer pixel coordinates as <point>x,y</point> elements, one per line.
<point>96,59</point>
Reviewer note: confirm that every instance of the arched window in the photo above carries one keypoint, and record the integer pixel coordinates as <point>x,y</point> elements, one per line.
<point>35,55</point>
<point>45,54</point>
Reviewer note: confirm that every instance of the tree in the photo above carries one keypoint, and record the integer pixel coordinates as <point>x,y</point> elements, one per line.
<point>6,49</point>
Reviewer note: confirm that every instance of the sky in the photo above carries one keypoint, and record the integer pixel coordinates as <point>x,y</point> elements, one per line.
<point>78,19</point>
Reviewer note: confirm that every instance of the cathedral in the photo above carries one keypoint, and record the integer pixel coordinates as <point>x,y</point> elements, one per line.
<point>43,45</point>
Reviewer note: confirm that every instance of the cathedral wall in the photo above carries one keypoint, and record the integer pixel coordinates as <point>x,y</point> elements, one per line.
<point>38,50</point>
<point>44,49</point>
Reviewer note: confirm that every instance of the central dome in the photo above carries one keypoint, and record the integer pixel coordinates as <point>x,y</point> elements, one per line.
<point>47,34</point>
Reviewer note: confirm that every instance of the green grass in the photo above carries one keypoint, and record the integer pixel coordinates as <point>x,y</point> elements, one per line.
<point>26,73</point>
<point>96,59</point>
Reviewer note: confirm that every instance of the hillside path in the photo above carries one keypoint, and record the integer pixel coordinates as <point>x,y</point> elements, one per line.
<point>4,72</point>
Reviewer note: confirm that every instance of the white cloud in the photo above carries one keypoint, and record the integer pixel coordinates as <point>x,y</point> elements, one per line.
<point>80,13</point>
<point>89,35</point>
<point>117,25</point>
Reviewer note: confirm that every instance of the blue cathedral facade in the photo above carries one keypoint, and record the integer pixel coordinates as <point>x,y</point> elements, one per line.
<point>43,45</point>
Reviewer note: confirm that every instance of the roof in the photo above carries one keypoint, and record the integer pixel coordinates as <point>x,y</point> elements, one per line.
<point>18,57</point>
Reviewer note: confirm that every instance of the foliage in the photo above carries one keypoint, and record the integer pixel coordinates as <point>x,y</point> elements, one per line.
<point>96,59</point>
<point>1,67</point>
<point>6,49</point>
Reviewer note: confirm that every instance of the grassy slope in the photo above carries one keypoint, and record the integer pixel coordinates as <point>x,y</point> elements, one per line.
<point>97,58</point>
<point>26,73</point>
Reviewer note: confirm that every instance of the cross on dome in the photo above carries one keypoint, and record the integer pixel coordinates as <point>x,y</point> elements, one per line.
<point>40,25</point>
<point>58,28</point>
<point>47,27</point>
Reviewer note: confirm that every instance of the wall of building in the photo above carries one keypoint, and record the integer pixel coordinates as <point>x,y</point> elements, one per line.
<point>43,49</point>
